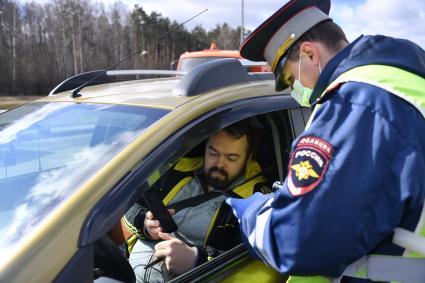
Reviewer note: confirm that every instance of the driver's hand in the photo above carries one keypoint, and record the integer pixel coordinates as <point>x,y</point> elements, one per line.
<point>179,257</point>
<point>152,226</point>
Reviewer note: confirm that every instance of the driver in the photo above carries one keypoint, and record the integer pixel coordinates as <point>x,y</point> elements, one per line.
<point>207,228</point>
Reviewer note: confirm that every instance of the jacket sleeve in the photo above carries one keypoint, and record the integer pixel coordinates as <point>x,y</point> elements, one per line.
<point>134,220</point>
<point>349,180</point>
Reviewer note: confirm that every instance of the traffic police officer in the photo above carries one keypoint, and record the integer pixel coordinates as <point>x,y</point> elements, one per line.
<point>358,170</point>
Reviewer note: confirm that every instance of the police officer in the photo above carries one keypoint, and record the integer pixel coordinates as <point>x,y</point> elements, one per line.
<point>358,170</point>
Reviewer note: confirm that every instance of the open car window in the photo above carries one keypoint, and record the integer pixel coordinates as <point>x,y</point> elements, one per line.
<point>274,133</point>
<point>276,118</point>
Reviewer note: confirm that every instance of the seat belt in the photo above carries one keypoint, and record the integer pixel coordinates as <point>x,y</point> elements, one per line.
<point>199,199</point>
<point>193,201</point>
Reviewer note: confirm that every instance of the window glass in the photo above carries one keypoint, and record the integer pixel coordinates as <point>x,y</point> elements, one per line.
<point>47,150</point>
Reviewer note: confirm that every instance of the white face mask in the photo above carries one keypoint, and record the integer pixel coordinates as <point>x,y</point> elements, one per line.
<point>299,92</point>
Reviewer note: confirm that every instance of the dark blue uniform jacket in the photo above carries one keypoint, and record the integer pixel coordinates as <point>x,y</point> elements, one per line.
<point>366,153</point>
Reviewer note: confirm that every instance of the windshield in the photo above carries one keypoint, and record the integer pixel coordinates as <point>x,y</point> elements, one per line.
<point>189,63</point>
<point>47,150</point>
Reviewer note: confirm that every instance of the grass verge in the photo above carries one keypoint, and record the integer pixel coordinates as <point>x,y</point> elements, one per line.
<point>8,102</point>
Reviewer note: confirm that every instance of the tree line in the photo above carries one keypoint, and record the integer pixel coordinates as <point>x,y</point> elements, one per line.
<point>43,44</point>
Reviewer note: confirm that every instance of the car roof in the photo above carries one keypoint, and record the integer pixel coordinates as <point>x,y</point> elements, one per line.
<point>165,93</point>
<point>157,93</point>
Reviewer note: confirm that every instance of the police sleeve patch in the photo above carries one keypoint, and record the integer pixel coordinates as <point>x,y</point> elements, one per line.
<point>309,162</point>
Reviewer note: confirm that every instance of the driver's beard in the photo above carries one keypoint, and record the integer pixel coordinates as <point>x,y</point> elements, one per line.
<point>215,182</point>
<point>221,184</point>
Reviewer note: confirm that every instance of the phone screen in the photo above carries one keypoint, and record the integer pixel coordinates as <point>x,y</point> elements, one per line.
<point>159,211</point>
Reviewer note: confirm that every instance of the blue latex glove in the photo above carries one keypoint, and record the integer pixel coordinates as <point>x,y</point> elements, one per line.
<point>240,205</point>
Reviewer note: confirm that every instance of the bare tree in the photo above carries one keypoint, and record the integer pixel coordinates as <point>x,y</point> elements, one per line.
<point>42,44</point>
<point>14,30</point>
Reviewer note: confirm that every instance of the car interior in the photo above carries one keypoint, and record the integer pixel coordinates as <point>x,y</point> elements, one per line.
<point>273,132</point>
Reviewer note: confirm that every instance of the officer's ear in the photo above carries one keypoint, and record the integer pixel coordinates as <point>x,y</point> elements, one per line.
<point>310,50</point>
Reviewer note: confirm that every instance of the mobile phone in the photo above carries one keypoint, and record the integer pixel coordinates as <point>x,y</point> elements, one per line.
<point>159,211</point>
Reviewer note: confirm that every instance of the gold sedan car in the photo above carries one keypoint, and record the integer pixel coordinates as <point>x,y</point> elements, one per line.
<point>72,164</point>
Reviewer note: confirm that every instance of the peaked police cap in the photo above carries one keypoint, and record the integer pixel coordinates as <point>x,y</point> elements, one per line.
<point>272,40</point>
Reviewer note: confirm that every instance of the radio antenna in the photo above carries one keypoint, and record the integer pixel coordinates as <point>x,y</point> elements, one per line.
<point>75,93</point>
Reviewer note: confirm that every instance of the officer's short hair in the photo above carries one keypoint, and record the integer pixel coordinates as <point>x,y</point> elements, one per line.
<point>327,32</point>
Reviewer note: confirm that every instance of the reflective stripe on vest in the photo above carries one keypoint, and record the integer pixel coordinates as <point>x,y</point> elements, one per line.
<point>411,88</point>
<point>383,268</point>
<point>401,83</point>
<point>404,84</point>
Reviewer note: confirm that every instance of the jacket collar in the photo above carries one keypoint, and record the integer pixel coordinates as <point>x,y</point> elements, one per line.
<point>327,74</point>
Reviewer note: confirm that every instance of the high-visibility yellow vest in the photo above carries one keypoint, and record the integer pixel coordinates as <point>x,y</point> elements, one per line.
<point>411,88</point>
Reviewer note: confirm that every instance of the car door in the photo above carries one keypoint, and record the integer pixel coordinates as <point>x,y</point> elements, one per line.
<point>281,109</point>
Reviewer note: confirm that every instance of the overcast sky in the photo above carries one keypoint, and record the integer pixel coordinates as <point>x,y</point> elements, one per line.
<point>396,18</point>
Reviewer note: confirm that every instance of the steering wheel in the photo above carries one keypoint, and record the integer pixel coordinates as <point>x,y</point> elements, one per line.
<point>109,261</point>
